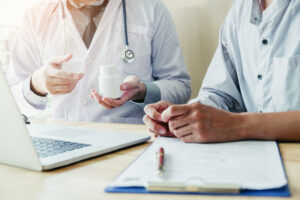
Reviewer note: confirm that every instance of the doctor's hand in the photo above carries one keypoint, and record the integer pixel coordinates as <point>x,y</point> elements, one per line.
<point>198,123</point>
<point>132,88</point>
<point>50,78</point>
<point>153,119</point>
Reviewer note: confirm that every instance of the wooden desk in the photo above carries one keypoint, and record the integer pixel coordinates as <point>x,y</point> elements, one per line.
<point>87,180</point>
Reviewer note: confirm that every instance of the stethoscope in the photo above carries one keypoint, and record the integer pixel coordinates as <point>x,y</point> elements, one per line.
<point>127,55</point>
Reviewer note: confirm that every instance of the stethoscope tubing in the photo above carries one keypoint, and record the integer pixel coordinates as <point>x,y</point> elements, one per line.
<point>125,22</point>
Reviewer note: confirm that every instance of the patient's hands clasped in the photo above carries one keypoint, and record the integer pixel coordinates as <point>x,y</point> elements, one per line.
<point>193,122</point>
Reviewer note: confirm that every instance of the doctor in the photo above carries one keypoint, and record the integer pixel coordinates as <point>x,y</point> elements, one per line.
<point>59,49</point>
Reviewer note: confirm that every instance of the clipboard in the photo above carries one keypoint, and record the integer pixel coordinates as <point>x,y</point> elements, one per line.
<point>278,192</point>
<point>232,190</point>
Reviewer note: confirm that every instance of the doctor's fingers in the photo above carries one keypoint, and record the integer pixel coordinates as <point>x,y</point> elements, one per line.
<point>94,95</point>
<point>115,102</point>
<point>59,61</point>
<point>131,82</point>
<point>67,75</point>
<point>61,81</point>
<point>57,73</point>
<point>119,102</point>
<point>61,89</point>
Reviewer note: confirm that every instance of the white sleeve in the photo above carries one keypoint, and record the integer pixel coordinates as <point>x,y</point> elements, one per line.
<point>25,59</point>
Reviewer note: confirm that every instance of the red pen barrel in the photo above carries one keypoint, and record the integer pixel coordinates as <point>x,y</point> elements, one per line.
<point>161,157</point>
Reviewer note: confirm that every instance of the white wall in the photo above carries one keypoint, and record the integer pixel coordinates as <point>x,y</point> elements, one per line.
<point>12,11</point>
<point>198,23</point>
<point>11,14</point>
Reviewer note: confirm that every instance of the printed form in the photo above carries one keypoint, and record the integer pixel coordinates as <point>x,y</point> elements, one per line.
<point>248,164</point>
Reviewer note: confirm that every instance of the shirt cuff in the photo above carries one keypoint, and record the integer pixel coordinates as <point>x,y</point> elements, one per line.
<point>153,95</point>
<point>210,100</point>
<point>36,101</point>
<point>194,101</point>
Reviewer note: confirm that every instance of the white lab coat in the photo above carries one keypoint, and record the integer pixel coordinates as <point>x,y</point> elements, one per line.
<point>152,36</point>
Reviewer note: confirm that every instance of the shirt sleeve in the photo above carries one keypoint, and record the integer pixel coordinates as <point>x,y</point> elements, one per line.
<point>153,95</point>
<point>36,101</point>
<point>169,70</point>
<point>220,87</point>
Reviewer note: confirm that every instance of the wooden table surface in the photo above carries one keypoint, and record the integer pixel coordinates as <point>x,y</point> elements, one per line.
<point>87,179</point>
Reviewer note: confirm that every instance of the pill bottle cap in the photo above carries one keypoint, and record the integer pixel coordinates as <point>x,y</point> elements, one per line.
<point>108,70</point>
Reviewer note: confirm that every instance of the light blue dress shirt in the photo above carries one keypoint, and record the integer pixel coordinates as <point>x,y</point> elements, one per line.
<point>256,67</point>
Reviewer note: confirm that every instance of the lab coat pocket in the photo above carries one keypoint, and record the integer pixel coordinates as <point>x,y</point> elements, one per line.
<point>286,83</point>
<point>140,43</point>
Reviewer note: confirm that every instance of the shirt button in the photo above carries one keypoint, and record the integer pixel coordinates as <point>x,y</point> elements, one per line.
<point>84,101</point>
<point>259,76</point>
<point>265,42</point>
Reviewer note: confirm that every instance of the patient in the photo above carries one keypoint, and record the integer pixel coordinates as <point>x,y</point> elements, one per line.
<point>251,89</point>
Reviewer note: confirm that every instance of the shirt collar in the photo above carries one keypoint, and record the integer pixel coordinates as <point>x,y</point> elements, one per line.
<point>75,5</point>
<point>257,14</point>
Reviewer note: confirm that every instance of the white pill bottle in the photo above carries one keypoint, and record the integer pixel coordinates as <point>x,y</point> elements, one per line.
<point>109,82</point>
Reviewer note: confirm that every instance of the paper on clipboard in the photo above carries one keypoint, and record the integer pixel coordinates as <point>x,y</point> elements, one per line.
<point>250,164</point>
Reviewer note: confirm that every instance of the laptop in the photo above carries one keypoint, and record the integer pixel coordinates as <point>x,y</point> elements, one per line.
<point>45,147</point>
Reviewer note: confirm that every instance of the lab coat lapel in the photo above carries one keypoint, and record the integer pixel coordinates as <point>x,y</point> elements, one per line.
<point>109,15</point>
<point>72,30</point>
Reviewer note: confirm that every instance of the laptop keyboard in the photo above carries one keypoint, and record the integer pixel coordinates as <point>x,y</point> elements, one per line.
<point>50,147</point>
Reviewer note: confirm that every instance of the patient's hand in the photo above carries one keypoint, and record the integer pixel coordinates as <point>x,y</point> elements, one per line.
<point>198,123</point>
<point>153,119</point>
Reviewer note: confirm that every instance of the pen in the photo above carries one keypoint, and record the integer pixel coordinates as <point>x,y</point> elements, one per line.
<point>160,158</point>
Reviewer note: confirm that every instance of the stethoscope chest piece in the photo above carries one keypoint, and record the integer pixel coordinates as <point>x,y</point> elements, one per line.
<point>127,55</point>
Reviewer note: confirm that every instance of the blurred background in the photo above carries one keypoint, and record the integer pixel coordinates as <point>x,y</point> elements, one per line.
<point>7,33</point>
<point>11,14</point>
